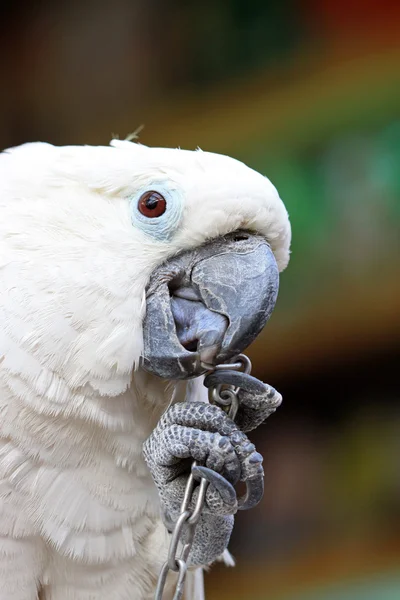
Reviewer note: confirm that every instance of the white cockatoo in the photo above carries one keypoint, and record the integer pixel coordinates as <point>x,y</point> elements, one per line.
<point>126,272</point>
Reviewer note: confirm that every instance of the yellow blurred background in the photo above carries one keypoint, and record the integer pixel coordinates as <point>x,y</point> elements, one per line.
<point>307,92</point>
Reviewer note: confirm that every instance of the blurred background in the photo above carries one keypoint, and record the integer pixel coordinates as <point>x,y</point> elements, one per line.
<point>307,92</point>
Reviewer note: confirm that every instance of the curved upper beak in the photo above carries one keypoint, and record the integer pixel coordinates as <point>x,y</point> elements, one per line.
<point>205,306</point>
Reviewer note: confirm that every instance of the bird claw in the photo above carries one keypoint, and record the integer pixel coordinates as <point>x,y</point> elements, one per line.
<point>224,455</point>
<point>226,489</point>
<point>254,488</point>
<point>254,493</point>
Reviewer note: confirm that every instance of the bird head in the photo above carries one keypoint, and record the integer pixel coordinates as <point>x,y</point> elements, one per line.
<point>127,257</point>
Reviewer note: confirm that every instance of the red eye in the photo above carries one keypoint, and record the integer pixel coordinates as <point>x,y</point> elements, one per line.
<point>152,204</point>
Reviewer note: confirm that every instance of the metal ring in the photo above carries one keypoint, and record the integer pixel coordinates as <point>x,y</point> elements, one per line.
<point>241,360</point>
<point>175,538</point>
<point>234,407</point>
<point>179,589</point>
<point>228,366</point>
<point>195,516</point>
<point>246,363</point>
<point>162,579</point>
<point>215,393</point>
<point>188,491</point>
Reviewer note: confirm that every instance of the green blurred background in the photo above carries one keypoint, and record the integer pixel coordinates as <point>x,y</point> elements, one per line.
<point>307,92</point>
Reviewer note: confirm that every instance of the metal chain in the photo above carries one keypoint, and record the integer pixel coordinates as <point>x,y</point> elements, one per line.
<point>225,396</point>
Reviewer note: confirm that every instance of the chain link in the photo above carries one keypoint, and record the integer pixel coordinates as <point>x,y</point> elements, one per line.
<point>225,396</point>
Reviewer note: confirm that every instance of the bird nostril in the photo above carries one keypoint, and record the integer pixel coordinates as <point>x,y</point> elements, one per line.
<point>239,237</point>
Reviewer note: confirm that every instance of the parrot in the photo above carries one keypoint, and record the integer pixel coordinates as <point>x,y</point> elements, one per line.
<point>127,273</point>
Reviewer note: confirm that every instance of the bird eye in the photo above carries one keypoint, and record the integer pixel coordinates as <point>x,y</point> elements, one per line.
<point>157,211</point>
<point>152,204</point>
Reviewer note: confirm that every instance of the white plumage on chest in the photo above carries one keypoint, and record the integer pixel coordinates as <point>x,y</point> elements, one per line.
<point>79,492</point>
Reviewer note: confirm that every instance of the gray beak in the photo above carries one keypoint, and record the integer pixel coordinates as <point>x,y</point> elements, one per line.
<point>205,306</point>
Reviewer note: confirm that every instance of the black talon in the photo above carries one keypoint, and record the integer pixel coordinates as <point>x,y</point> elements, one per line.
<point>223,486</point>
<point>254,493</point>
<point>237,378</point>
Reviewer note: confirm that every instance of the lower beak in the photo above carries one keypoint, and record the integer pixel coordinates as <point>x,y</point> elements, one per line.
<point>205,306</point>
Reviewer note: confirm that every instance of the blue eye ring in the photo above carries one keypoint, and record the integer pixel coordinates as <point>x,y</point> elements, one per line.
<point>167,203</point>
